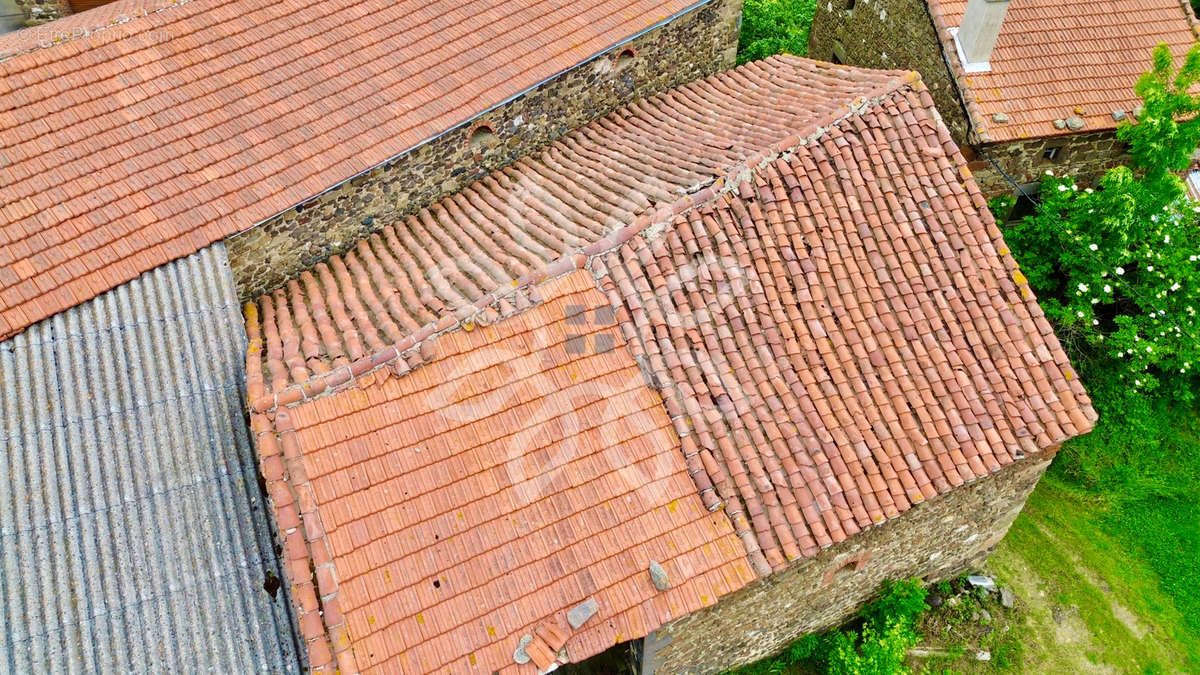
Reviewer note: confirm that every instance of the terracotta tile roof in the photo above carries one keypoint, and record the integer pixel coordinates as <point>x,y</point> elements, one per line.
<point>579,190</point>
<point>1056,56</point>
<point>843,334</point>
<point>139,144</point>
<point>79,25</point>
<point>522,478</point>
<point>834,324</point>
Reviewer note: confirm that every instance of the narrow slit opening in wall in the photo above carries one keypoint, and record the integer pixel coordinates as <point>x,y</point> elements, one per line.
<point>839,53</point>
<point>1051,153</point>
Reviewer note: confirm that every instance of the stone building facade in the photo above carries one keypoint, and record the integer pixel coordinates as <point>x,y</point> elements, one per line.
<point>1086,156</point>
<point>891,34</point>
<point>902,34</point>
<point>935,540</point>
<point>679,49</point>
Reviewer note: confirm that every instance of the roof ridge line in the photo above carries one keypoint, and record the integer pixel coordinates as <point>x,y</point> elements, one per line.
<point>263,401</point>
<point>758,159</point>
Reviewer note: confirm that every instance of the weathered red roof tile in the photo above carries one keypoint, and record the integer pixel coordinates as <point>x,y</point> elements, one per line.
<point>1055,58</point>
<point>833,324</point>
<point>842,334</point>
<point>578,191</point>
<point>524,469</point>
<point>145,141</point>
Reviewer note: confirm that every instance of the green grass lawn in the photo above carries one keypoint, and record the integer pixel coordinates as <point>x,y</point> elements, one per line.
<point>1102,588</point>
<point>1102,585</point>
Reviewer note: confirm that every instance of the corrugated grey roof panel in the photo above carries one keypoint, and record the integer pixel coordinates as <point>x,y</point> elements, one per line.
<point>133,535</point>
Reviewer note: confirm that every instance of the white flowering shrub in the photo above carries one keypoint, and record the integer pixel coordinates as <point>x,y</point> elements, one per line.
<point>1117,269</point>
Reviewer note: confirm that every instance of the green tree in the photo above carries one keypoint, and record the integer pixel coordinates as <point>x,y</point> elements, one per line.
<point>774,27</point>
<point>1116,268</point>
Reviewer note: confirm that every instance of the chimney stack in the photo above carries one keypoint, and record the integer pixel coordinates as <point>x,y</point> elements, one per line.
<point>980,27</point>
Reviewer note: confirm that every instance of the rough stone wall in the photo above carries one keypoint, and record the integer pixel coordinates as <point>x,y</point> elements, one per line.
<point>1085,156</point>
<point>892,34</point>
<point>40,11</point>
<point>934,540</point>
<point>900,34</point>
<point>694,45</point>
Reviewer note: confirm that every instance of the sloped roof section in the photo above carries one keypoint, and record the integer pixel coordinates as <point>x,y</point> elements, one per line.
<point>834,325</point>
<point>842,334</point>
<point>581,189</point>
<point>1058,59</point>
<point>519,482</point>
<point>133,536</point>
<point>146,141</point>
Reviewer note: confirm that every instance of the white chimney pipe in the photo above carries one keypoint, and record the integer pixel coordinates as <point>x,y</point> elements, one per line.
<point>980,27</point>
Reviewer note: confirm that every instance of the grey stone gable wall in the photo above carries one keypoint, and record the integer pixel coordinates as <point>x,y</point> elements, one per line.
<point>892,34</point>
<point>1085,156</point>
<point>934,540</point>
<point>901,34</point>
<point>694,44</point>
<point>37,12</point>
<point>132,531</point>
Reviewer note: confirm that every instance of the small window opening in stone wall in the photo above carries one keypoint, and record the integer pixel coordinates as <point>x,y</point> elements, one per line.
<point>847,566</point>
<point>483,138</point>
<point>625,58</point>
<point>1051,153</point>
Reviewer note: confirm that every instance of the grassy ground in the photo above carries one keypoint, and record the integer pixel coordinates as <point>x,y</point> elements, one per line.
<point>1099,588</point>
<point>1089,596</point>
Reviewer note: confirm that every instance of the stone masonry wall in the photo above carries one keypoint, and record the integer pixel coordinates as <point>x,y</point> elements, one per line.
<point>692,46</point>
<point>934,540</point>
<point>1085,156</point>
<point>40,11</point>
<point>892,34</point>
<point>900,34</point>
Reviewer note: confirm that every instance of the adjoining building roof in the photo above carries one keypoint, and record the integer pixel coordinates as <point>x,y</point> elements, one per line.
<point>578,191</point>
<point>833,322</point>
<point>133,536</point>
<point>146,141</point>
<point>1056,59</point>
<point>523,481</point>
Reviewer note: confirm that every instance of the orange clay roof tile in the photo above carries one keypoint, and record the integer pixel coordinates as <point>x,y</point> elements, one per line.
<point>826,320</point>
<point>1057,59</point>
<point>461,505</point>
<point>575,193</point>
<point>159,127</point>
<point>843,335</point>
